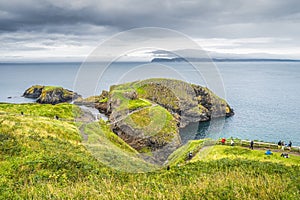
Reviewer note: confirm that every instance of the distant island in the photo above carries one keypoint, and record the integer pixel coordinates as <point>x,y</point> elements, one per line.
<point>179,59</point>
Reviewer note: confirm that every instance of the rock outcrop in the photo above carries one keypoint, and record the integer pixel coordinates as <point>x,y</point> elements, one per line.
<point>33,92</point>
<point>99,102</point>
<point>50,94</point>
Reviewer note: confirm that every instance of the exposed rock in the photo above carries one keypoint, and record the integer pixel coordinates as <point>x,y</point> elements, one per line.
<point>130,95</point>
<point>50,94</point>
<point>98,102</point>
<point>33,92</point>
<point>192,103</point>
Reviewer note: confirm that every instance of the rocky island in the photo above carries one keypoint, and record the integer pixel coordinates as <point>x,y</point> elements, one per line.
<point>50,94</point>
<point>148,114</point>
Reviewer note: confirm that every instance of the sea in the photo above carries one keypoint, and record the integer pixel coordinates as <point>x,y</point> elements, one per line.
<point>265,96</point>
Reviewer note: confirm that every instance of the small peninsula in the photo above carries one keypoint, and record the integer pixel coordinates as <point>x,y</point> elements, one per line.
<point>148,114</point>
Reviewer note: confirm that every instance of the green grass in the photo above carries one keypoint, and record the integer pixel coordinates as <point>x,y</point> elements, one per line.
<point>156,122</point>
<point>138,103</point>
<point>63,110</point>
<point>180,156</point>
<point>103,100</point>
<point>236,152</point>
<point>51,88</point>
<point>111,150</point>
<point>38,161</point>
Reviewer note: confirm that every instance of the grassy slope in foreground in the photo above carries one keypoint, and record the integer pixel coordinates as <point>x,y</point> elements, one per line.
<point>39,162</point>
<point>111,150</point>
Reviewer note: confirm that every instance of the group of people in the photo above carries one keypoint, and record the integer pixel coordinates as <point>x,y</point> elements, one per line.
<point>282,145</point>
<point>223,140</point>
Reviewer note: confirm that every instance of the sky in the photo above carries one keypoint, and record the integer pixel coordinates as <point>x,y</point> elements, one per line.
<point>63,30</point>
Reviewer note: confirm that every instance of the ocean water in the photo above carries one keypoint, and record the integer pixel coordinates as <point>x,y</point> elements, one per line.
<point>264,95</point>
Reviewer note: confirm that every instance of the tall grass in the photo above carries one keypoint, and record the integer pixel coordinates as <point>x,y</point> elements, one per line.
<point>38,161</point>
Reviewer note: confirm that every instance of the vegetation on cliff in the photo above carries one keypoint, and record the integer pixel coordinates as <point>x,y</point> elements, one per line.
<point>148,114</point>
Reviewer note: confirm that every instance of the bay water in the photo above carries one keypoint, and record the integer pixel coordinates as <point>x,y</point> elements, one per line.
<point>264,95</point>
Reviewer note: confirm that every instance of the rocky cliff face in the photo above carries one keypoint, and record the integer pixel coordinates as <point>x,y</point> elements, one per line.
<point>99,102</point>
<point>50,94</point>
<point>187,102</point>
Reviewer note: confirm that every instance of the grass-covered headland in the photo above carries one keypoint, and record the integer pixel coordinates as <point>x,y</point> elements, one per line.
<point>42,157</point>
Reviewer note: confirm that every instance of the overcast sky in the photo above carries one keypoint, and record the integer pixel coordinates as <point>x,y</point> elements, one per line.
<point>63,30</point>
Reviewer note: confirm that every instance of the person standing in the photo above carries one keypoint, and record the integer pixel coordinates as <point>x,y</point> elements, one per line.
<point>279,144</point>
<point>251,144</point>
<point>223,141</point>
<point>290,145</point>
<point>231,142</point>
<point>282,145</point>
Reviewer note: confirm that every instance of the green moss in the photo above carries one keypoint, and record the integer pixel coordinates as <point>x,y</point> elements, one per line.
<point>33,88</point>
<point>159,94</point>
<point>154,121</point>
<point>103,100</point>
<point>51,88</point>
<point>146,150</point>
<point>138,103</point>
<point>92,99</point>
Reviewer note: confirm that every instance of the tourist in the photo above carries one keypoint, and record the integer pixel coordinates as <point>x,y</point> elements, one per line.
<point>290,145</point>
<point>251,144</point>
<point>285,155</point>
<point>282,145</point>
<point>268,152</point>
<point>231,142</point>
<point>223,141</point>
<point>279,144</point>
<point>190,155</point>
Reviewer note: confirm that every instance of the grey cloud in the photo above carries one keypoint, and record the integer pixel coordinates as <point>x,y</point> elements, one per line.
<point>125,14</point>
<point>79,22</point>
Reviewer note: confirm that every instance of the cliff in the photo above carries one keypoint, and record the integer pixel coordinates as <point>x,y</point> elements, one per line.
<point>148,114</point>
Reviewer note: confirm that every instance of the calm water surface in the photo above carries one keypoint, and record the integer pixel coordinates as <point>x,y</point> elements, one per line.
<point>264,95</point>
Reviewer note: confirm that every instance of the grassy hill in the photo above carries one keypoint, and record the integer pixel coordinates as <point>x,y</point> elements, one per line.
<point>45,158</point>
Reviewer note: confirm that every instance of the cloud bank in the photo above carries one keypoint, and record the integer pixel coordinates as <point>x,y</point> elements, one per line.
<point>70,30</point>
